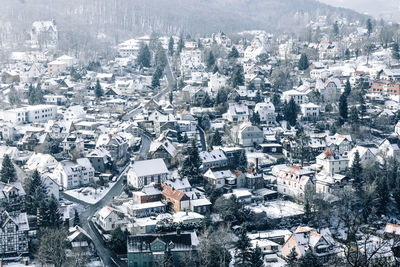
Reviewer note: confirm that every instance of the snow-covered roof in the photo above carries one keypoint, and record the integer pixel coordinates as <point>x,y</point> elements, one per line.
<point>149,167</point>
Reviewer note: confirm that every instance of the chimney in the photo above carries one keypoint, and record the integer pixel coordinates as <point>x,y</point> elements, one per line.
<point>256,165</point>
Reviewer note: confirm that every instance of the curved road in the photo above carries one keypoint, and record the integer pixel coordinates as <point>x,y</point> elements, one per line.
<point>108,257</point>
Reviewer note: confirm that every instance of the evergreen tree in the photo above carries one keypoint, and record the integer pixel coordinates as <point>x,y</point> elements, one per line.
<point>171,46</point>
<point>8,174</point>
<point>355,172</point>
<point>382,194</point>
<point>237,78</point>
<point>144,57</point>
<point>309,260</point>
<point>291,259</point>
<point>210,60</point>
<point>13,96</point>
<point>221,97</point>
<point>347,54</point>
<point>242,249</point>
<point>54,215</point>
<point>43,214</point>
<point>257,256</point>
<point>369,26</point>
<point>259,98</point>
<point>290,111</point>
<point>76,218</point>
<point>347,88</point>
<point>36,192</point>
<point>255,118</point>
<point>160,58</point>
<point>191,164</point>
<point>98,91</point>
<point>354,117</point>
<point>343,108</point>
<point>307,211</point>
<point>39,94</point>
<point>396,192</point>
<point>242,162</point>
<point>181,44</point>
<point>168,260</point>
<point>118,240</point>
<point>31,95</point>
<point>357,53</point>
<point>395,51</point>
<point>303,62</point>
<point>155,80</point>
<point>234,53</point>
<point>171,97</point>
<point>336,29</point>
<point>216,139</point>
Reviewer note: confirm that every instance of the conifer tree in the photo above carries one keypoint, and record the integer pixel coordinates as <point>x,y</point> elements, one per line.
<point>210,60</point>
<point>234,53</point>
<point>303,62</point>
<point>216,139</point>
<point>356,172</point>
<point>191,164</point>
<point>242,249</point>
<point>291,259</point>
<point>343,108</point>
<point>76,218</point>
<point>7,172</point>
<point>347,88</point>
<point>256,258</point>
<point>242,162</point>
<point>395,51</point>
<point>309,260</point>
<point>171,46</point>
<point>144,56</point>
<point>36,192</point>
<point>54,216</point>
<point>98,91</point>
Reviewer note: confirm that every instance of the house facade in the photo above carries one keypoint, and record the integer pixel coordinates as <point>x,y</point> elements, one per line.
<point>144,172</point>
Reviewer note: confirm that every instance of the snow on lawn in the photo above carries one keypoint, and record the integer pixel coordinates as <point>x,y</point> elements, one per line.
<point>279,209</point>
<point>89,194</point>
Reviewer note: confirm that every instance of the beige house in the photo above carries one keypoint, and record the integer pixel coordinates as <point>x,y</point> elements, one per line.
<point>306,238</point>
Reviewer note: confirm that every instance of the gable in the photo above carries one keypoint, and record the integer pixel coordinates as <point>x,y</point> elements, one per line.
<point>157,245</point>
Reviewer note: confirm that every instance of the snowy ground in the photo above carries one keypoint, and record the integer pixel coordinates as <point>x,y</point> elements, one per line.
<point>278,209</point>
<point>89,194</point>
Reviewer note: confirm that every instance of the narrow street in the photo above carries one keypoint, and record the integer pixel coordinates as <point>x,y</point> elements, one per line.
<point>108,257</point>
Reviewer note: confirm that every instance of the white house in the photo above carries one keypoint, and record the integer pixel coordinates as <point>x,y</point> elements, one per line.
<point>73,174</point>
<point>248,134</point>
<point>294,181</point>
<point>74,113</point>
<point>41,162</point>
<point>29,114</point>
<point>332,162</point>
<point>389,149</point>
<point>217,178</point>
<point>237,113</point>
<point>213,159</point>
<point>56,67</point>
<point>144,172</point>
<point>310,110</point>
<point>298,97</point>
<point>44,33</point>
<point>266,111</point>
<point>330,89</point>
<point>365,153</point>
<point>107,218</point>
<point>52,187</point>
